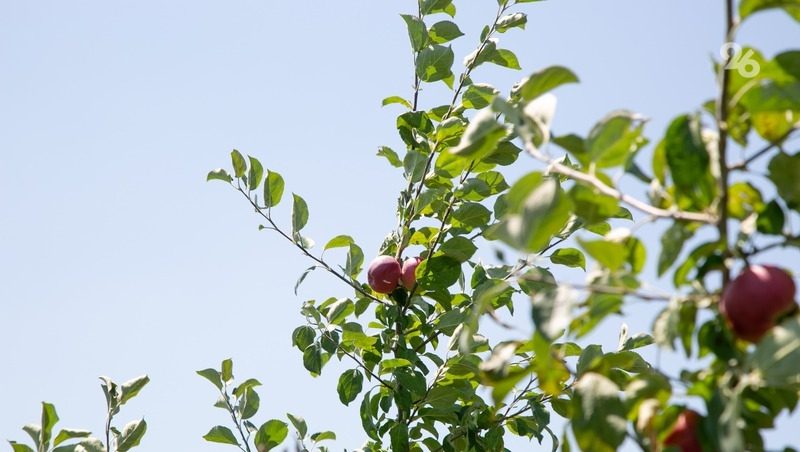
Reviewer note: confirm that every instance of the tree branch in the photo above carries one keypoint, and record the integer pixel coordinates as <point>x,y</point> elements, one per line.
<point>559,168</point>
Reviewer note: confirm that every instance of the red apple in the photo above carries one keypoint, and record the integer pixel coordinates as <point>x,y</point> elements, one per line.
<point>756,299</point>
<point>684,433</point>
<point>384,274</point>
<point>409,277</point>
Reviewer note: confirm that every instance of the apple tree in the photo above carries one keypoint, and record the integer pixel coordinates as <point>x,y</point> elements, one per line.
<point>418,361</point>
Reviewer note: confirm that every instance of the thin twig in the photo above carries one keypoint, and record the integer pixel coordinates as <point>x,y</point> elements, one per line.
<point>742,166</point>
<point>305,251</point>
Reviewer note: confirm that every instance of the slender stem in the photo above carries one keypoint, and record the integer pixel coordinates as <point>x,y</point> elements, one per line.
<point>236,421</point>
<point>519,395</point>
<point>305,251</point>
<point>360,363</point>
<point>722,127</point>
<point>108,430</point>
<point>741,166</point>
<point>559,168</point>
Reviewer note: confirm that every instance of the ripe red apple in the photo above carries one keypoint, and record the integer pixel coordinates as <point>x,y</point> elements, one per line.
<point>684,433</point>
<point>384,274</point>
<point>409,277</point>
<point>756,299</point>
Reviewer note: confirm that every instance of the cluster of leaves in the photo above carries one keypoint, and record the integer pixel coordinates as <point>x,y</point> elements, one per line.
<point>72,440</point>
<point>418,357</point>
<point>421,349</point>
<point>242,404</point>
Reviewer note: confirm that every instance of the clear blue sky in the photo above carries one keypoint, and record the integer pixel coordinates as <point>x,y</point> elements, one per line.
<point>116,258</point>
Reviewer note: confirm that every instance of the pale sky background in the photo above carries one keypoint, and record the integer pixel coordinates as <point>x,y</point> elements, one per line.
<point>117,258</point>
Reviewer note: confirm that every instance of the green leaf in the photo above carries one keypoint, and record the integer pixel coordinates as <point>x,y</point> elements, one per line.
<point>303,277</point>
<point>543,81</point>
<point>600,307</point>
<point>398,436</point>
<point>249,404</point>
<point>543,214</point>
<point>219,174</point>
<point>749,7</point>
<point>132,435</point>
<point>67,434</point>
<point>671,245</point>
<point>396,100</point>
<point>391,364</point>
<point>220,434</point>
<point>614,139</point>
<point>312,359</point>
<point>255,174</point>
<point>227,370</point>
<point>744,199</point>
<point>437,6</point>
<point>771,219</point>
<point>211,375</point>
<point>774,108</point>
<point>270,435</point>
<point>350,385</point>
<point>552,311</point>
<point>444,31</point>
<point>514,20</point>
<point>438,273</point>
<point>478,96</point>
<point>470,215</point>
<point>239,164</point>
<point>273,189</point>
<point>777,355</point>
<point>49,420</point>
<point>599,423</point>
<point>610,254</point>
<point>353,336</point>
<point>504,58</point>
<point>17,447</point>
<point>299,215</point>
<point>481,136</point>
<point>131,388</point>
<point>784,171</point>
<point>323,436</point>
<point>417,32</point>
<point>688,161</point>
<point>570,257</point>
<point>390,156</point>
<point>299,424</point>
<point>591,205</point>
<point>340,241</point>
<point>248,384</point>
<point>459,248</point>
<point>434,63</point>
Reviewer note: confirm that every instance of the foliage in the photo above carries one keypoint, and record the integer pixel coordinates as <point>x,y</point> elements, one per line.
<point>124,440</point>
<point>418,357</point>
<point>418,360</point>
<point>242,404</point>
